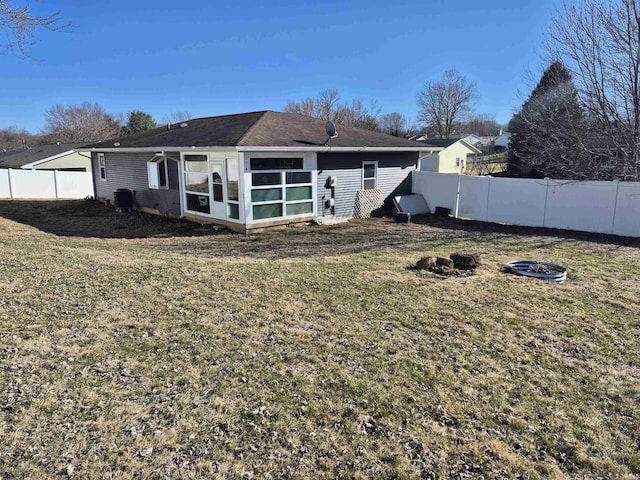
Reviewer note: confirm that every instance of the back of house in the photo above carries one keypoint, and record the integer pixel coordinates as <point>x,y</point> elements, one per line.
<point>255,170</point>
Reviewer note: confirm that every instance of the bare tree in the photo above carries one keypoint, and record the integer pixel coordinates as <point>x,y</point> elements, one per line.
<point>414,130</point>
<point>359,115</point>
<point>599,42</point>
<point>19,25</point>
<point>15,138</point>
<point>306,106</point>
<point>393,123</point>
<point>480,124</point>
<point>443,103</point>
<point>80,123</point>
<point>328,106</point>
<point>177,117</point>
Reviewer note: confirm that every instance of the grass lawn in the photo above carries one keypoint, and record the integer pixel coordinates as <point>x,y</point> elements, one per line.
<point>137,347</point>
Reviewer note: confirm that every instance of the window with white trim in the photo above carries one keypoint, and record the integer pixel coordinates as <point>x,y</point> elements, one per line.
<point>276,163</point>
<point>158,173</point>
<point>233,194</point>
<point>369,175</point>
<point>276,192</point>
<point>102,167</point>
<point>196,184</point>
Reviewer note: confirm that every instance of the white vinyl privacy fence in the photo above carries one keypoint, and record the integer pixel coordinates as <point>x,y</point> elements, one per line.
<point>599,207</point>
<point>45,184</point>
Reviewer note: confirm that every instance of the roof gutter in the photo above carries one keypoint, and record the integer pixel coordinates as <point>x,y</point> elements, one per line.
<point>319,148</point>
<point>161,148</point>
<point>323,148</point>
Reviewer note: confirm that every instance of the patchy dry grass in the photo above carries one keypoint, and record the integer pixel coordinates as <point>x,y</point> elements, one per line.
<point>136,347</point>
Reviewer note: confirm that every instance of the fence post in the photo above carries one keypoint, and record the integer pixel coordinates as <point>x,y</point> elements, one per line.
<point>546,195</point>
<point>55,183</point>
<point>10,177</point>
<point>615,205</point>
<point>457,197</point>
<point>488,196</point>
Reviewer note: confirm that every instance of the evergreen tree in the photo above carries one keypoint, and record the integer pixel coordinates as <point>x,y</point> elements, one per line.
<point>139,121</point>
<point>547,133</point>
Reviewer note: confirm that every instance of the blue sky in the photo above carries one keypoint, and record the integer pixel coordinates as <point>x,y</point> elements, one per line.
<point>213,58</point>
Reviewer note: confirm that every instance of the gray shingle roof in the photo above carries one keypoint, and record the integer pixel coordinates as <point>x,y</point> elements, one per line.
<point>259,129</point>
<point>4,155</point>
<point>440,142</point>
<point>24,157</point>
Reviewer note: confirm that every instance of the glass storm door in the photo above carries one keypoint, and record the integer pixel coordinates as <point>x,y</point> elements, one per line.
<point>216,169</point>
<point>196,184</point>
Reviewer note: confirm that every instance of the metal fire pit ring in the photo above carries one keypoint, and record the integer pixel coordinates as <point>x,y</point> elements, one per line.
<point>549,272</point>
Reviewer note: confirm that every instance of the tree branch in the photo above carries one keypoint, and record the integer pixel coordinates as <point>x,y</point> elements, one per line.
<point>19,25</point>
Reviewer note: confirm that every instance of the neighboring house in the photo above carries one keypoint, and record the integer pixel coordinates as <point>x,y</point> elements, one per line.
<point>73,157</point>
<point>486,142</point>
<point>502,141</point>
<point>453,157</point>
<point>473,140</point>
<point>254,170</point>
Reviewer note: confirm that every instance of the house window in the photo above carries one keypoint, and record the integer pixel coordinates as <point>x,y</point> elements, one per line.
<point>369,175</point>
<point>196,173</point>
<point>282,193</point>
<point>216,182</point>
<point>233,195</point>
<point>261,179</point>
<point>102,167</point>
<point>198,203</point>
<point>271,210</point>
<point>266,194</point>
<point>277,163</point>
<point>158,173</point>
<point>457,161</point>
<point>196,183</point>
<point>298,193</point>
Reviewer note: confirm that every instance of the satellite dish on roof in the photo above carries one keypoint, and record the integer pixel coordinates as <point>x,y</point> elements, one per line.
<point>331,129</point>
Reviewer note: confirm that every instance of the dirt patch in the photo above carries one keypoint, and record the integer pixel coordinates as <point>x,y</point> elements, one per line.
<point>457,265</point>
